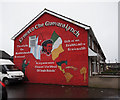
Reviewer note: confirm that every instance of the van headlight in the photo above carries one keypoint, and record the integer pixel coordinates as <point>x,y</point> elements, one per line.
<point>9,75</point>
<point>12,76</point>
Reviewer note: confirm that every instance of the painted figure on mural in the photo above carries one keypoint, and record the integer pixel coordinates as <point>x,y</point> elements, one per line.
<point>24,66</point>
<point>47,46</point>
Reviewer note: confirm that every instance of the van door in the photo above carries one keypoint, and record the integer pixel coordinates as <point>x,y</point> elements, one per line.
<point>4,73</point>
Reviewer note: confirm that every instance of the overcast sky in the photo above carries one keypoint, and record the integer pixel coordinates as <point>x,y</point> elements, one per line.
<point>102,16</point>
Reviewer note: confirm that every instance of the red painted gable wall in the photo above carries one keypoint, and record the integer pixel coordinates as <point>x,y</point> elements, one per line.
<point>71,65</point>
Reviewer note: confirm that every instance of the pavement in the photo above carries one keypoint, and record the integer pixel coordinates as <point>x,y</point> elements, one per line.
<point>37,91</point>
<point>110,76</point>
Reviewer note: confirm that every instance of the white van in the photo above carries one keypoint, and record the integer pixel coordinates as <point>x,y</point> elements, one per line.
<point>9,73</point>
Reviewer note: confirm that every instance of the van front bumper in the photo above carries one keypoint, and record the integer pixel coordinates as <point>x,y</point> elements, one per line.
<point>16,79</point>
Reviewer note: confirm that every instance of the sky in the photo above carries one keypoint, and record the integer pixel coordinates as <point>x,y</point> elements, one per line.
<point>101,15</point>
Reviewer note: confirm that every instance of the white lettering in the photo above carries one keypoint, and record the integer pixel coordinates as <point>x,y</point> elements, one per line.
<point>36,26</point>
<point>47,23</point>
<point>67,28</point>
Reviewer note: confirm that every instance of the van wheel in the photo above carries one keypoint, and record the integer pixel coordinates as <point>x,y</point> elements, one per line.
<point>6,81</point>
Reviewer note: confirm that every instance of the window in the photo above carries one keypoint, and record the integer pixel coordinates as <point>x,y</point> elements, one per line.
<point>3,69</point>
<point>10,68</point>
<point>89,41</point>
<point>92,45</point>
<point>98,68</point>
<point>97,49</point>
<point>0,68</point>
<point>32,40</point>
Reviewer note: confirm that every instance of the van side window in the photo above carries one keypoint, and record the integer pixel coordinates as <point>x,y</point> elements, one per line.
<point>0,68</point>
<point>3,69</point>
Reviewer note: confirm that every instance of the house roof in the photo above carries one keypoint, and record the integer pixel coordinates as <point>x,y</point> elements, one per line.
<point>4,55</point>
<point>91,53</point>
<point>86,27</point>
<point>95,39</point>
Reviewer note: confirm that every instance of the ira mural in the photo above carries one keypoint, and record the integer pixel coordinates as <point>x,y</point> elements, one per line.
<point>52,54</point>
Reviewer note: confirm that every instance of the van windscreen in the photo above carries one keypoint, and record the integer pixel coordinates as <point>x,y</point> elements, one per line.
<point>10,68</point>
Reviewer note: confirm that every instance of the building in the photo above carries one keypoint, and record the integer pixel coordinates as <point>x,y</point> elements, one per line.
<point>5,55</point>
<point>54,49</point>
<point>96,56</point>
